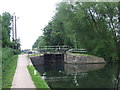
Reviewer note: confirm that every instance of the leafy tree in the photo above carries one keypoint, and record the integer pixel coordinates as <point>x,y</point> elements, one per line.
<point>89,25</point>
<point>39,42</point>
<point>0,30</point>
<point>6,22</point>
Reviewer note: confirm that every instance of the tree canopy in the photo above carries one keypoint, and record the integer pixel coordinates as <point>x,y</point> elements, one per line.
<point>89,25</point>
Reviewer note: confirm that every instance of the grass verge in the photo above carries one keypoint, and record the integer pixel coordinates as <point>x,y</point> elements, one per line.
<point>38,81</point>
<point>81,54</point>
<point>8,70</point>
<point>37,54</point>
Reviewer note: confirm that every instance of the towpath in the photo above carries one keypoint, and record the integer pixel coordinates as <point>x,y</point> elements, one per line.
<point>22,78</point>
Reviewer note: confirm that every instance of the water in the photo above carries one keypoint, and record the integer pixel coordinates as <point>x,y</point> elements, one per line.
<point>80,75</point>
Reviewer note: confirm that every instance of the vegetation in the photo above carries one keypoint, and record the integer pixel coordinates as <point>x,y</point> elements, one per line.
<point>37,54</point>
<point>89,25</point>
<point>9,63</point>
<point>9,50</point>
<point>39,42</point>
<point>0,52</point>
<point>38,81</point>
<point>0,67</point>
<point>6,20</point>
<point>81,54</point>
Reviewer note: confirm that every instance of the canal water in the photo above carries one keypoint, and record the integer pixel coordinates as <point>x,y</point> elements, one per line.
<point>61,75</point>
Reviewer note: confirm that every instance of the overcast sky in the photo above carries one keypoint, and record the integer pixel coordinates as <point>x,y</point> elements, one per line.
<point>33,16</point>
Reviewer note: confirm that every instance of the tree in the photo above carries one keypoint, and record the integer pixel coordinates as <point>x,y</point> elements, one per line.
<point>6,22</point>
<point>39,42</point>
<point>89,25</point>
<point>0,30</point>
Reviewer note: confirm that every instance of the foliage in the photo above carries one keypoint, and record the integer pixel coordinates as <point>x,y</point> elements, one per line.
<point>0,30</point>
<point>38,81</point>
<point>0,67</point>
<point>89,25</point>
<point>6,22</point>
<point>9,63</point>
<point>0,52</point>
<point>5,27</point>
<point>8,53</point>
<point>37,43</point>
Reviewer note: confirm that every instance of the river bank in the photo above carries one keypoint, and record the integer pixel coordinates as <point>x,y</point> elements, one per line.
<point>35,75</point>
<point>66,58</point>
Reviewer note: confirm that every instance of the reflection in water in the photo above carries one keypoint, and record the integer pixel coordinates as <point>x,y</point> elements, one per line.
<point>60,75</point>
<point>76,68</point>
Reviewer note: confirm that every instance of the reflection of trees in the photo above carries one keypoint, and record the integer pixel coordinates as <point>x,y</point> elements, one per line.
<point>58,77</point>
<point>99,79</point>
<point>117,79</point>
<point>77,68</point>
<point>102,78</point>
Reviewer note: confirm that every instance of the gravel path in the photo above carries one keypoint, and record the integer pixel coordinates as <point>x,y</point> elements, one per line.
<point>22,78</point>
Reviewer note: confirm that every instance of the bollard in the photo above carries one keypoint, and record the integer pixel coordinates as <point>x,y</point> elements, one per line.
<point>35,72</point>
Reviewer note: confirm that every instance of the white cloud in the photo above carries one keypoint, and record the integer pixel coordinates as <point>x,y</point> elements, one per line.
<point>33,16</point>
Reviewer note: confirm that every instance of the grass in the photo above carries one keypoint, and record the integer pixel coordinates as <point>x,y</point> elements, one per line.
<point>38,81</point>
<point>8,70</point>
<point>37,54</point>
<point>81,54</point>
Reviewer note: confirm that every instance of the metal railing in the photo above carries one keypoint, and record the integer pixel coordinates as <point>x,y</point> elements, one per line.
<point>59,49</point>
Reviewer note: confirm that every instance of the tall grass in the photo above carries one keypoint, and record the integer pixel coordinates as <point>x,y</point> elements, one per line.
<point>9,63</point>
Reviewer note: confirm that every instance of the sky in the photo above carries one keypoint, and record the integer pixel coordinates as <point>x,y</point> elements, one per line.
<point>33,15</point>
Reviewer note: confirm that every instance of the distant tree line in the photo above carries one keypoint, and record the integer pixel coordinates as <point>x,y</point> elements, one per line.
<point>90,25</point>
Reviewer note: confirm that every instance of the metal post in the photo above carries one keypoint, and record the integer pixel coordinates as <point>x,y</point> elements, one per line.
<point>15,29</point>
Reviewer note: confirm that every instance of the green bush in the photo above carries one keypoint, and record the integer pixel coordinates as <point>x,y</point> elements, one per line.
<point>16,52</point>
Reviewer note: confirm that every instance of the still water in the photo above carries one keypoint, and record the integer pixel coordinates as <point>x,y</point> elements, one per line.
<point>80,75</point>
